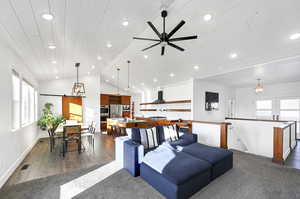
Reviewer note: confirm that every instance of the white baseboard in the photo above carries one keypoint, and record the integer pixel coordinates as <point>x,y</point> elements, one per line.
<point>15,165</point>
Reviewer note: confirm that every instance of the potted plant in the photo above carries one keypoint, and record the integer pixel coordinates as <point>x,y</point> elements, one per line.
<point>50,122</point>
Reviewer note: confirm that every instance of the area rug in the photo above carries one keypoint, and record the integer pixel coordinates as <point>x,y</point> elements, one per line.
<point>252,177</point>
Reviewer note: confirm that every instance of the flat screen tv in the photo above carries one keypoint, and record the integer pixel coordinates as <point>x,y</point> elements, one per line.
<point>211,101</point>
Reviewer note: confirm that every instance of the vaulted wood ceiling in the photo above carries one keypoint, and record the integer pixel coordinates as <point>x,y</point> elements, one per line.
<point>257,31</point>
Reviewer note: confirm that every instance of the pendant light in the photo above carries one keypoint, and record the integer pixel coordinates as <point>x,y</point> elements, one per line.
<point>78,87</point>
<point>259,86</point>
<point>128,78</point>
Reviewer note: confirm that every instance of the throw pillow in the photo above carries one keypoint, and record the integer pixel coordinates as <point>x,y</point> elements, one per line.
<point>149,138</point>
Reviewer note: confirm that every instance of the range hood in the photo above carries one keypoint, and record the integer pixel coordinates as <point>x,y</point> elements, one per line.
<point>160,99</point>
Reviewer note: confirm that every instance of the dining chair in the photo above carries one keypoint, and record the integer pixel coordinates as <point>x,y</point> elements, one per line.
<point>71,134</point>
<point>53,136</point>
<point>90,134</point>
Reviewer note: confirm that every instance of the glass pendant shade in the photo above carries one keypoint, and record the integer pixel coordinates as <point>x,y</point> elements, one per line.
<point>259,87</point>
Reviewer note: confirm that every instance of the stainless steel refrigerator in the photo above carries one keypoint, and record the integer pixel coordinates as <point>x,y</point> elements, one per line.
<point>115,111</point>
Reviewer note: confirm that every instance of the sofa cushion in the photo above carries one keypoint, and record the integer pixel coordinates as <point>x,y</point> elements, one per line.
<point>135,135</point>
<point>184,167</point>
<point>208,153</point>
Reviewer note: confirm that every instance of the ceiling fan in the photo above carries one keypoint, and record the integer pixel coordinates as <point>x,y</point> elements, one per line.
<point>166,38</point>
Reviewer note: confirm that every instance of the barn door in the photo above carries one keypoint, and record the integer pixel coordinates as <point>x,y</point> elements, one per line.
<point>72,108</point>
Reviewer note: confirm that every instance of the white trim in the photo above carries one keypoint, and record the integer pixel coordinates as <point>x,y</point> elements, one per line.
<point>15,165</point>
<point>286,154</point>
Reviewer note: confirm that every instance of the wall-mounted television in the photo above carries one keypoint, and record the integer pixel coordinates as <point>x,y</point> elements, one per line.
<point>211,101</point>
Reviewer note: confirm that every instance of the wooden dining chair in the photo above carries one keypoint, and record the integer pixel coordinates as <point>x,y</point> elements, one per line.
<point>71,134</point>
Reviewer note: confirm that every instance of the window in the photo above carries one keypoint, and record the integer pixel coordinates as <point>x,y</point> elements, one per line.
<point>15,100</point>
<point>290,109</point>
<point>36,104</point>
<point>264,109</point>
<point>28,103</point>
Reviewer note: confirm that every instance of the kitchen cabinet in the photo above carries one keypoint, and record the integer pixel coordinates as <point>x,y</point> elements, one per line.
<point>125,100</point>
<point>104,99</point>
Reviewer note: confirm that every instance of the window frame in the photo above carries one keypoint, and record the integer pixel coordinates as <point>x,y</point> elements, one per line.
<point>14,73</point>
<point>29,103</point>
<point>263,109</point>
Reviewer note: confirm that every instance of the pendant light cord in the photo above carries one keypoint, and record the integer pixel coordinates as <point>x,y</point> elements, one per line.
<point>77,73</point>
<point>118,79</point>
<point>128,73</point>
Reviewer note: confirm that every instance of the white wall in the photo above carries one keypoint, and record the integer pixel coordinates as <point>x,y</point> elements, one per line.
<point>179,91</point>
<point>226,94</point>
<point>14,146</point>
<point>245,106</point>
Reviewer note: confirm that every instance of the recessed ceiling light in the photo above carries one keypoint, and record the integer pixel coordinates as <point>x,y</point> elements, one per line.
<point>93,66</point>
<point>107,80</point>
<point>172,74</point>
<point>99,57</point>
<point>146,56</point>
<point>108,45</point>
<point>125,23</point>
<point>155,80</point>
<point>207,17</point>
<point>47,16</point>
<point>88,73</point>
<point>51,46</point>
<point>233,55</point>
<point>196,67</point>
<point>53,62</point>
<point>56,77</point>
<point>295,36</point>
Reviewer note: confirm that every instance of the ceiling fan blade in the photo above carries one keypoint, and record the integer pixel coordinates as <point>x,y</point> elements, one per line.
<point>176,29</point>
<point>140,38</point>
<point>183,38</point>
<point>175,46</point>
<point>162,50</point>
<point>151,46</point>
<point>154,29</point>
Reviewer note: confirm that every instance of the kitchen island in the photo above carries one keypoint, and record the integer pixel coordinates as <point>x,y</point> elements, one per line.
<point>118,126</point>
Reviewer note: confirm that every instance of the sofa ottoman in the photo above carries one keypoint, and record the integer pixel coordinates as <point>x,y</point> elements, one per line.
<point>181,177</point>
<point>220,159</point>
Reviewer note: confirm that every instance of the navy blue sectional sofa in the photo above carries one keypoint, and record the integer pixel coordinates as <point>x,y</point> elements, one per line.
<point>194,167</point>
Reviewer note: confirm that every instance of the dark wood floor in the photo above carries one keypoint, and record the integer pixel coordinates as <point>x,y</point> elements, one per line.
<point>294,159</point>
<point>43,163</point>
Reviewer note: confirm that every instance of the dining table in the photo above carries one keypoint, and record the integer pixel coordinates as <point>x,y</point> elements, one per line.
<point>60,129</point>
